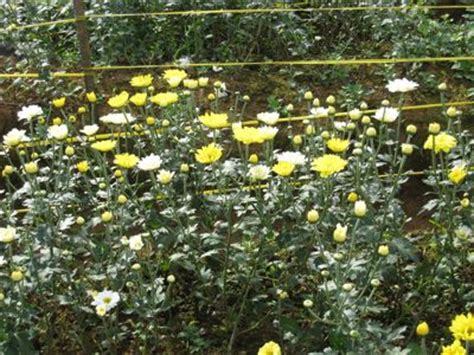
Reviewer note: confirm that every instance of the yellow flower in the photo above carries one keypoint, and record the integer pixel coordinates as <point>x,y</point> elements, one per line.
<point>139,99</point>
<point>126,160</point>
<point>91,97</point>
<point>457,174</point>
<point>462,327</point>
<point>454,349</point>
<point>174,73</point>
<point>247,135</point>
<point>59,103</point>
<point>214,120</point>
<point>270,348</point>
<point>338,145</point>
<point>31,168</point>
<point>422,329</point>
<point>190,83</point>
<point>119,100</point>
<point>82,166</point>
<point>209,154</point>
<point>141,81</point>
<point>442,142</point>
<point>283,168</point>
<point>164,99</point>
<point>104,146</point>
<point>328,165</point>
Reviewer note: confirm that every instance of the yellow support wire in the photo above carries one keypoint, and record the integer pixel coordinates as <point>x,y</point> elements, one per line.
<point>14,27</point>
<point>243,64</point>
<point>248,122</point>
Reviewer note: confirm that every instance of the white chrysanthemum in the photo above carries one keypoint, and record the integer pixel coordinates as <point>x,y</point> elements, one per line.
<point>90,130</point>
<point>229,167</point>
<point>259,172</point>
<point>320,112</point>
<point>150,162</point>
<point>3,261</point>
<point>107,299</point>
<point>268,132</point>
<point>386,114</point>
<point>401,85</point>
<point>135,242</point>
<point>340,126</point>
<point>15,137</point>
<point>295,158</point>
<point>7,235</point>
<point>58,132</point>
<point>27,113</point>
<point>463,232</point>
<point>118,118</point>
<point>270,118</point>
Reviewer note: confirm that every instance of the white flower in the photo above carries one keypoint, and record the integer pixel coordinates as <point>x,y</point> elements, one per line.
<point>386,114</point>
<point>107,299</point>
<point>270,118</point>
<point>90,130</point>
<point>150,162</point>
<point>259,172</point>
<point>229,167</point>
<point>15,137</point>
<point>360,208</point>
<point>58,132</point>
<point>27,113</point>
<point>463,232</point>
<point>320,112</point>
<point>268,132</point>
<point>340,126</point>
<point>340,233</point>
<point>118,118</point>
<point>401,85</point>
<point>135,242</point>
<point>3,261</point>
<point>295,158</point>
<point>7,235</point>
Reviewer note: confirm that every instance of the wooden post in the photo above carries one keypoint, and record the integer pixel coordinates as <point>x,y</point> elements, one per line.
<point>84,44</point>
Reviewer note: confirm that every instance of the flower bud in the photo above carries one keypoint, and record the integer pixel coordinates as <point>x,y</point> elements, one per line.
<point>352,197</point>
<point>57,121</point>
<point>365,120</point>
<point>136,267</point>
<point>16,276</point>
<point>371,132</point>
<point>308,303</point>
<point>80,220</point>
<point>325,135</point>
<point>465,202</point>
<point>253,159</point>
<point>340,233</point>
<point>312,216</point>
<point>91,97</point>
<point>308,95</point>
<point>310,130</point>
<point>316,102</point>
<point>357,151</point>
<point>434,128</point>
<point>150,120</point>
<point>203,81</point>
<point>451,112</point>
<point>360,209</point>
<point>325,273</point>
<point>69,151</point>
<point>330,100</point>
<point>106,216</point>
<point>338,256</point>
<point>331,110</point>
<point>422,329</point>
<point>290,107</point>
<point>81,110</point>
<point>184,168</point>
<point>31,168</point>
<point>7,170</point>
<point>165,123</point>
<point>282,295</point>
<point>354,334</point>
<point>407,149</point>
<point>363,105</point>
<point>217,84</point>
<point>442,87</point>
<point>411,129</point>
<point>246,98</point>
<point>383,250</point>
<point>348,287</point>
<point>297,140</point>
<point>171,279</point>
<point>385,102</point>
<point>122,199</point>
<point>375,282</point>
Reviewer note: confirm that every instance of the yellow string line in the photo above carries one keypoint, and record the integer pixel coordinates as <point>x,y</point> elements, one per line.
<point>242,64</point>
<point>14,27</point>
<point>248,122</point>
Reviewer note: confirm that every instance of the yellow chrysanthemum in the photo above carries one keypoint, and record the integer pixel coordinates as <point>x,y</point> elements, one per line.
<point>164,99</point>
<point>247,135</point>
<point>139,99</point>
<point>270,348</point>
<point>141,81</point>
<point>82,166</point>
<point>457,174</point>
<point>328,165</point>
<point>214,120</point>
<point>454,349</point>
<point>441,142</point>
<point>462,327</point>
<point>208,154</point>
<point>174,73</point>
<point>59,103</point>
<point>104,146</point>
<point>119,100</point>
<point>126,160</point>
<point>283,168</point>
<point>338,145</point>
